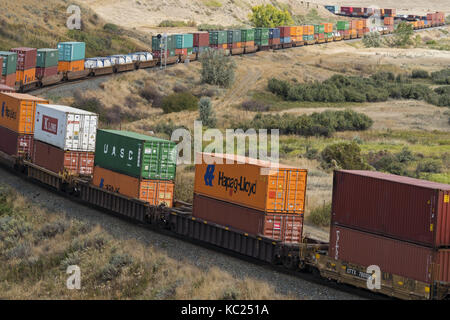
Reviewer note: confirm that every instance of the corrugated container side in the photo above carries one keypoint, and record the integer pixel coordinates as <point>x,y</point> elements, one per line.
<point>392,256</point>
<point>400,207</point>
<point>71,51</point>
<point>47,58</point>
<point>77,65</point>
<point>136,155</point>
<point>46,72</point>
<point>154,192</point>
<point>26,58</point>
<point>60,161</point>
<point>18,111</point>
<point>65,127</point>
<point>16,144</point>
<point>249,184</point>
<point>9,62</point>
<point>26,76</point>
<point>201,39</point>
<point>281,227</point>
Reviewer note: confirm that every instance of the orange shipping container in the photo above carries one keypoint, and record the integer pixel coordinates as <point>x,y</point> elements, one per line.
<point>296,31</point>
<point>18,111</point>
<point>251,183</point>
<point>359,24</point>
<point>26,76</point>
<point>308,30</point>
<point>328,27</point>
<point>248,44</point>
<point>155,192</point>
<point>71,65</point>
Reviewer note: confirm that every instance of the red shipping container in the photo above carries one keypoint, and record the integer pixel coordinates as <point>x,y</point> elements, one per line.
<point>399,207</point>
<point>16,144</point>
<point>9,80</point>
<point>26,58</point>
<point>392,256</point>
<point>60,161</point>
<point>201,39</point>
<point>285,32</point>
<point>46,72</point>
<point>281,227</point>
<point>182,52</point>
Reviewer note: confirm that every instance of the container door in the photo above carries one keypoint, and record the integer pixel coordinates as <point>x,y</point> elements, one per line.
<point>168,154</point>
<point>27,110</point>
<point>148,191</point>
<point>276,191</point>
<point>150,160</point>
<point>273,226</point>
<point>73,132</point>
<point>295,191</point>
<point>71,160</point>
<point>86,163</point>
<point>165,193</point>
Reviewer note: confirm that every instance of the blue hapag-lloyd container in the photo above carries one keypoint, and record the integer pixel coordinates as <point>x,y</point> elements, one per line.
<point>72,51</point>
<point>285,40</point>
<point>274,33</point>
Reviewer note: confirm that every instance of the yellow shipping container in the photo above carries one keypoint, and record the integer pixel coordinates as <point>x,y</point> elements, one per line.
<point>251,183</point>
<point>18,111</point>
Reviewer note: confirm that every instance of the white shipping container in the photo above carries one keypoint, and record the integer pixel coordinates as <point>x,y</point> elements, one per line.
<point>65,127</point>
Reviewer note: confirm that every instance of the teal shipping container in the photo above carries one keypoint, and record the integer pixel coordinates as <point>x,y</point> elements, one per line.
<point>136,155</point>
<point>234,36</point>
<point>9,62</point>
<point>308,37</point>
<point>247,35</point>
<point>47,58</point>
<point>71,51</point>
<point>218,37</point>
<point>184,41</point>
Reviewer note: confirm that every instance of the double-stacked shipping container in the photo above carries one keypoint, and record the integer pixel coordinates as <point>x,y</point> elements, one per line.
<point>328,30</point>
<point>297,35</point>
<point>46,63</point>
<point>308,34</point>
<point>26,64</point>
<point>319,33</point>
<point>218,39</point>
<point>71,56</point>
<point>136,165</point>
<point>274,37</point>
<point>398,223</point>
<point>17,123</point>
<point>234,39</point>
<point>248,38</point>
<point>285,35</point>
<point>184,44</point>
<point>158,45</point>
<point>262,37</point>
<point>248,195</point>
<point>201,41</point>
<point>9,66</point>
<point>64,139</point>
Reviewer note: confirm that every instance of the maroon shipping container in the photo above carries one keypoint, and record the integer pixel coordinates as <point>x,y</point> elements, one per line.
<point>392,256</point>
<point>46,72</point>
<point>60,161</point>
<point>274,41</point>
<point>201,39</point>
<point>16,144</point>
<point>9,80</point>
<point>399,207</point>
<point>281,227</point>
<point>285,32</point>
<point>26,58</point>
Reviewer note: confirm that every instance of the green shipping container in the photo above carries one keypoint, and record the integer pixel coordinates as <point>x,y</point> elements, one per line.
<point>308,37</point>
<point>136,155</point>
<point>343,25</point>
<point>319,28</point>
<point>262,42</point>
<point>329,35</point>
<point>183,41</point>
<point>234,36</point>
<point>47,58</point>
<point>71,51</point>
<point>261,34</point>
<point>9,62</point>
<point>247,35</point>
<point>218,37</point>
<point>171,43</point>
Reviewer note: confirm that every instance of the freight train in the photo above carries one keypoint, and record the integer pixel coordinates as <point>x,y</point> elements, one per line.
<point>394,226</point>
<point>180,48</point>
